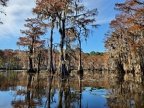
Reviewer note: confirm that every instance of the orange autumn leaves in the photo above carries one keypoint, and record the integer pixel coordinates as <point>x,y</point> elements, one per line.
<point>125,37</point>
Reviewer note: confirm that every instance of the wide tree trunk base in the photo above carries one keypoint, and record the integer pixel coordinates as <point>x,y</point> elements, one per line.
<point>31,70</point>
<point>69,71</point>
<point>80,72</point>
<point>64,71</point>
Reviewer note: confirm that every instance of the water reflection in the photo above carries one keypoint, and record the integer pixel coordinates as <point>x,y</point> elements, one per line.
<point>80,77</point>
<point>27,95</point>
<point>93,89</point>
<point>125,93</point>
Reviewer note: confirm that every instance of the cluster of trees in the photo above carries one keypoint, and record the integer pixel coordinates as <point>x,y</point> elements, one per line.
<point>19,59</point>
<point>9,59</point>
<point>125,38</point>
<point>67,17</point>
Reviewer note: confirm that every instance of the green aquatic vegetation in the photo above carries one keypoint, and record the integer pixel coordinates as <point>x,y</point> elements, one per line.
<point>92,88</point>
<point>100,87</point>
<point>96,88</point>
<point>106,96</point>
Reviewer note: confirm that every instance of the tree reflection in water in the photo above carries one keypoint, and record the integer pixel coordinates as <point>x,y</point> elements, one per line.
<point>127,93</point>
<point>27,95</point>
<point>43,91</point>
<point>65,95</point>
<point>49,93</point>
<point>80,88</point>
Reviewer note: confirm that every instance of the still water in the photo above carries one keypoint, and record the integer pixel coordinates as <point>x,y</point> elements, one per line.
<point>92,90</point>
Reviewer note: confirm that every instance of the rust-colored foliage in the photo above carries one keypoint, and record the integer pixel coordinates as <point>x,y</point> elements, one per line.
<point>126,36</point>
<point>32,34</point>
<point>32,39</point>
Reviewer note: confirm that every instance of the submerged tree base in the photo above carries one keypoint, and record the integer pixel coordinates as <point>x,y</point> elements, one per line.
<point>31,70</point>
<point>80,72</point>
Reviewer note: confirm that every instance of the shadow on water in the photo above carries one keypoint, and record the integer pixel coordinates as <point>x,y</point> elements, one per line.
<point>90,90</point>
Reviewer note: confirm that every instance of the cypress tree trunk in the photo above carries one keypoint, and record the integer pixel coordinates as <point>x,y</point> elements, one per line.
<point>39,62</point>
<point>51,68</point>
<point>29,80</point>
<point>63,69</point>
<point>31,69</point>
<point>30,63</point>
<point>80,68</point>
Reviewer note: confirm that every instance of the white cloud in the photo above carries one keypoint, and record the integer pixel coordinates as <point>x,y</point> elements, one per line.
<point>16,13</point>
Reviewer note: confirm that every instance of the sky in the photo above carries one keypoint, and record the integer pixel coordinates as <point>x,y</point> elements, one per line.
<point>19,10</point>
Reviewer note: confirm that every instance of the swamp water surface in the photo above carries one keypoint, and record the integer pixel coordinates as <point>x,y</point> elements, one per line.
<point>93,90</point>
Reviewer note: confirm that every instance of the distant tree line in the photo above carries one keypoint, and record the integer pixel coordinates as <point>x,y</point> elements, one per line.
<point>9,59</point>
<point>18,59</point>
<point>95,53</point>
